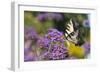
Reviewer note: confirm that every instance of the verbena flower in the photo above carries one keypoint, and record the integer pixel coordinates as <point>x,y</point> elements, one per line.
<point>55,45</point>
<point>43,42</point>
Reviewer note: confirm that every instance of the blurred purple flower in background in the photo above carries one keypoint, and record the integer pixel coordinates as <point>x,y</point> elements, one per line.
<point>41,17</point>
<point>49,16</point>
<point>55,16</point>
<point>86,23</point>
<point>26,50</point>
<point>29,55</point>
<point>86,47</point>
<point>30,33</point>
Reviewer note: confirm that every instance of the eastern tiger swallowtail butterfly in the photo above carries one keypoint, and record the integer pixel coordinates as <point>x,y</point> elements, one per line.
<point>71,33</point>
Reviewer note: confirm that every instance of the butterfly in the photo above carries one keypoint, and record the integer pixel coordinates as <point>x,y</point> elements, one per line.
<point>71,31</point>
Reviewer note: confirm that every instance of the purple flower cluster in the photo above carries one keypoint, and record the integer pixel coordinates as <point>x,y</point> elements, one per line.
<point>54,42</point>
<point>58,52</point>
<point>43,42</point>
<point>49,16</point>
<point>55,36</point>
